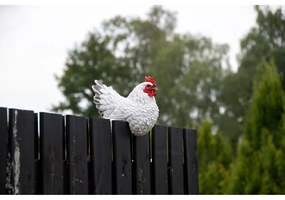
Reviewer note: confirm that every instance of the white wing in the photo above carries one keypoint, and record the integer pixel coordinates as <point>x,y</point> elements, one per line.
<point>109,103</point>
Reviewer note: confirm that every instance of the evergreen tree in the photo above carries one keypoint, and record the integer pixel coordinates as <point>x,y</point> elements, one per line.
<point>215,156</point>
<point>257,169</point>
<point>265,41</point>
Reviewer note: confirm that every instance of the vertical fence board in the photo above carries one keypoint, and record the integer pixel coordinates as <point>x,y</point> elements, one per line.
<point>76,139</point>
<point>176,161</point>
<point>36,137</point>
<point>36,155</point>
<point>101,155</point>
<point>52,151</point>
<point>21,130</point>
<point>142,164</point>
<point>3,148</point>
<point>122,157</point>
<point>159,155</point>
<point>191,161</point>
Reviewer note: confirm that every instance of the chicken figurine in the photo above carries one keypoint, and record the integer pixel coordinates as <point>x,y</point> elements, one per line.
<point>139,109</point>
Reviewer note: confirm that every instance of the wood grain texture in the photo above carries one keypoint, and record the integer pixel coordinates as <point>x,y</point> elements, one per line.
<point>101,156</point>
<point>160,154</point>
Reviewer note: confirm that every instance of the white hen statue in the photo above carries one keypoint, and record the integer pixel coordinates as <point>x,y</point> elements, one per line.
<point>139,109</point>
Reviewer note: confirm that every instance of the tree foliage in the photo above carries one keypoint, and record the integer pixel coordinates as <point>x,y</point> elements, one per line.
<point>215,157</point>
<point>188,69</point>
<point>265,41</point>
<point>257,167</point>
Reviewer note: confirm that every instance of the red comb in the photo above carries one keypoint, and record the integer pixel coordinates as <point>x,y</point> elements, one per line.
<point>150,79</point>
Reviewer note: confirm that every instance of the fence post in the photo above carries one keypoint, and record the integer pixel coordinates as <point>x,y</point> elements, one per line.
<point>3,149</point>
<point>142,164</point>
<point>122,157</point>
<point>159,156</point>
<point>176,175</point>
<point>191,161</point>
<point>101,156</point>
<point>21,147</point>
<point>52,153</point>
<point>76,140</point>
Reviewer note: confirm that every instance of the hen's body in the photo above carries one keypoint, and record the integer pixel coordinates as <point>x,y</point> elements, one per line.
<point>139,109</point>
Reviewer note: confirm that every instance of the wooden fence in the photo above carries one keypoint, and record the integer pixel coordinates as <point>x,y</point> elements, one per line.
<point>49,153</point>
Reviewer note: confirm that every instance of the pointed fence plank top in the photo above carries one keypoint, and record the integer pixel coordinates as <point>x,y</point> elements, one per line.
<point>54,154</point>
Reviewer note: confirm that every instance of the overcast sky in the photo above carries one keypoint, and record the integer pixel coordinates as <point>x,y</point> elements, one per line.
<point>34,42</point>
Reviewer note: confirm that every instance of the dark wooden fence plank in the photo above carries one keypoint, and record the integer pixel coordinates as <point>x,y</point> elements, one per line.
<point>191,161</point>
<point>101,155</point>
<point>176,161</point>
<point>3,148</point>
<point>159,156</point>
<point>76,139</point>
<point>36,155</point>
<point>52,151</point>
<point>36,137</point>
<point>122,157</point>
<point>142,164</point>
<point>21,128</point>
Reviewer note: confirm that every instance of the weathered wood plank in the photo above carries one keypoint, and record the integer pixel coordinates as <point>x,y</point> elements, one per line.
<point>176,177</point>
<point>191,161</point>
<point>101,155</point>
<point>52,151</point>
<point>36,137</point>
<point>3,148</point>
<point>142,164</point>
<point>159,156</point>
<point>21,130</point>
<point>76,139</point>
<point>122,157</point>
<point>36,155</point>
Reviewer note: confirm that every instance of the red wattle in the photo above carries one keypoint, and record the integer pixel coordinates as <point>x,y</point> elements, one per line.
<point>150,92</point>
